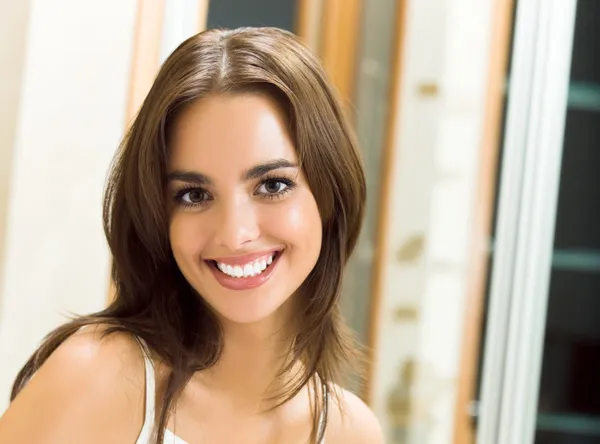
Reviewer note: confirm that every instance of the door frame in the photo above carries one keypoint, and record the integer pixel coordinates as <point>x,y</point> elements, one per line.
<point>503,10</point>
<point>523,247</point>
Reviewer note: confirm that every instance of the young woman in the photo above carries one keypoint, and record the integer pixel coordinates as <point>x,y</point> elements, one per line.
<point>231,210</point>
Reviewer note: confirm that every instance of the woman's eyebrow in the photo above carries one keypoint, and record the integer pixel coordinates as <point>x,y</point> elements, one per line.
<point>260,170</point>
<point>253,173</point>
<point>190,176</point>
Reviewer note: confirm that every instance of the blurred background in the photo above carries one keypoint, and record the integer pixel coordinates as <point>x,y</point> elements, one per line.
<point>476,282</point>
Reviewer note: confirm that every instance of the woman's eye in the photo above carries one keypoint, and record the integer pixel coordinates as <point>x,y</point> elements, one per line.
<point>193,197</point>
<point>272,187</point>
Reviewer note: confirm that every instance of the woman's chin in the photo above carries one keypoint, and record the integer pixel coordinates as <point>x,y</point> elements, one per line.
<point>252,312</point>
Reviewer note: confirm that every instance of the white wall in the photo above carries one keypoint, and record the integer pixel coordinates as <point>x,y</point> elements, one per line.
<point>14,20</point>
<point>437,146</point>
<point>71,115</point>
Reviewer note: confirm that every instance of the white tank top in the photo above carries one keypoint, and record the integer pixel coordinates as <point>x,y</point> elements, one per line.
<point>170,437</point>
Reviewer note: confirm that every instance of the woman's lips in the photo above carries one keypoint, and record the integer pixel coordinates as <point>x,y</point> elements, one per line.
<point>245,258</point>
<point>231,278</point>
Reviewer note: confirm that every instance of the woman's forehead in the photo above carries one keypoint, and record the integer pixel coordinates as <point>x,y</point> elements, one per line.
<point>233,131</point>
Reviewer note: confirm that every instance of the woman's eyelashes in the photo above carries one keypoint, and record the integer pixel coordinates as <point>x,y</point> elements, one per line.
<point>274,187</point>
<point>190,196</point>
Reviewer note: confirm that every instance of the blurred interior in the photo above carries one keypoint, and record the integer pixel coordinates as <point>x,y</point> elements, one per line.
<point>476,282</point>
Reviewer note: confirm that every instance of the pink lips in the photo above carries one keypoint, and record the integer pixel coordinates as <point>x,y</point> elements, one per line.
<point>243,283</point>
<point>244,259</point>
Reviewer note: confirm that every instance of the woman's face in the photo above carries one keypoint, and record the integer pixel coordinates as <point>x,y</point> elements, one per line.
<point>244,226</point>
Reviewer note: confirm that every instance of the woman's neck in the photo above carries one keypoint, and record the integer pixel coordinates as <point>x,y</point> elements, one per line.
<point>253,355</point>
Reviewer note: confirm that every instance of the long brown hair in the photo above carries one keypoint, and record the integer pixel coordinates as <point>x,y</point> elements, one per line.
<point>153,300</point>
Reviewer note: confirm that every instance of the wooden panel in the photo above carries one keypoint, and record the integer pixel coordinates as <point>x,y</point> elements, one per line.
<point>202,14</point>
<point>144,64</point>
<point>308,22</point>
<point>340,28</point>
<point>148,33</point>
<point>464,431</point>
<point>385,197</point>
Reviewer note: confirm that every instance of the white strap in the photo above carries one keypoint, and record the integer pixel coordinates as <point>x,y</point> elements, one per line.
<point>146,432</point>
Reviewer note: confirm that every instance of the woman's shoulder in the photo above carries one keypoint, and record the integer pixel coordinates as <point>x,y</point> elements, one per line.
<point>91,387</point>
<point>99,359</point>
<point>94,345</point>
<point>352,421</point>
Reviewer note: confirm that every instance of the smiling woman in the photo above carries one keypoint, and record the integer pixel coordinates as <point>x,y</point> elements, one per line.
<point>231,211</point>
<point>253,205</point>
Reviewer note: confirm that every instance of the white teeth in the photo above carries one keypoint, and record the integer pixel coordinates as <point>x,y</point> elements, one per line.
<point>248,270</point>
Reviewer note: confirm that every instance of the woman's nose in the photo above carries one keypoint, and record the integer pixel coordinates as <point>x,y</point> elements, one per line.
<point>237,224</point>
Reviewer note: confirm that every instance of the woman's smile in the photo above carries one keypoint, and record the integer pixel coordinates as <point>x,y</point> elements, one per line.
<point>245,272</point>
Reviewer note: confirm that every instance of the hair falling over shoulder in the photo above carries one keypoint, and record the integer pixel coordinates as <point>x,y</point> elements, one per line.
<point>153,300</point>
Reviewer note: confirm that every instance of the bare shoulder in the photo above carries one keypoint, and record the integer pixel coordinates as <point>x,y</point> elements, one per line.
<point>93,348</point>
<point>90,389</point>
<point>351,421</point>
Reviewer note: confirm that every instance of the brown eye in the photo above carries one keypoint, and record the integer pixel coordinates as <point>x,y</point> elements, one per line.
<point>194,196</point>
<point>189,197</point>
<point>273,187</point>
